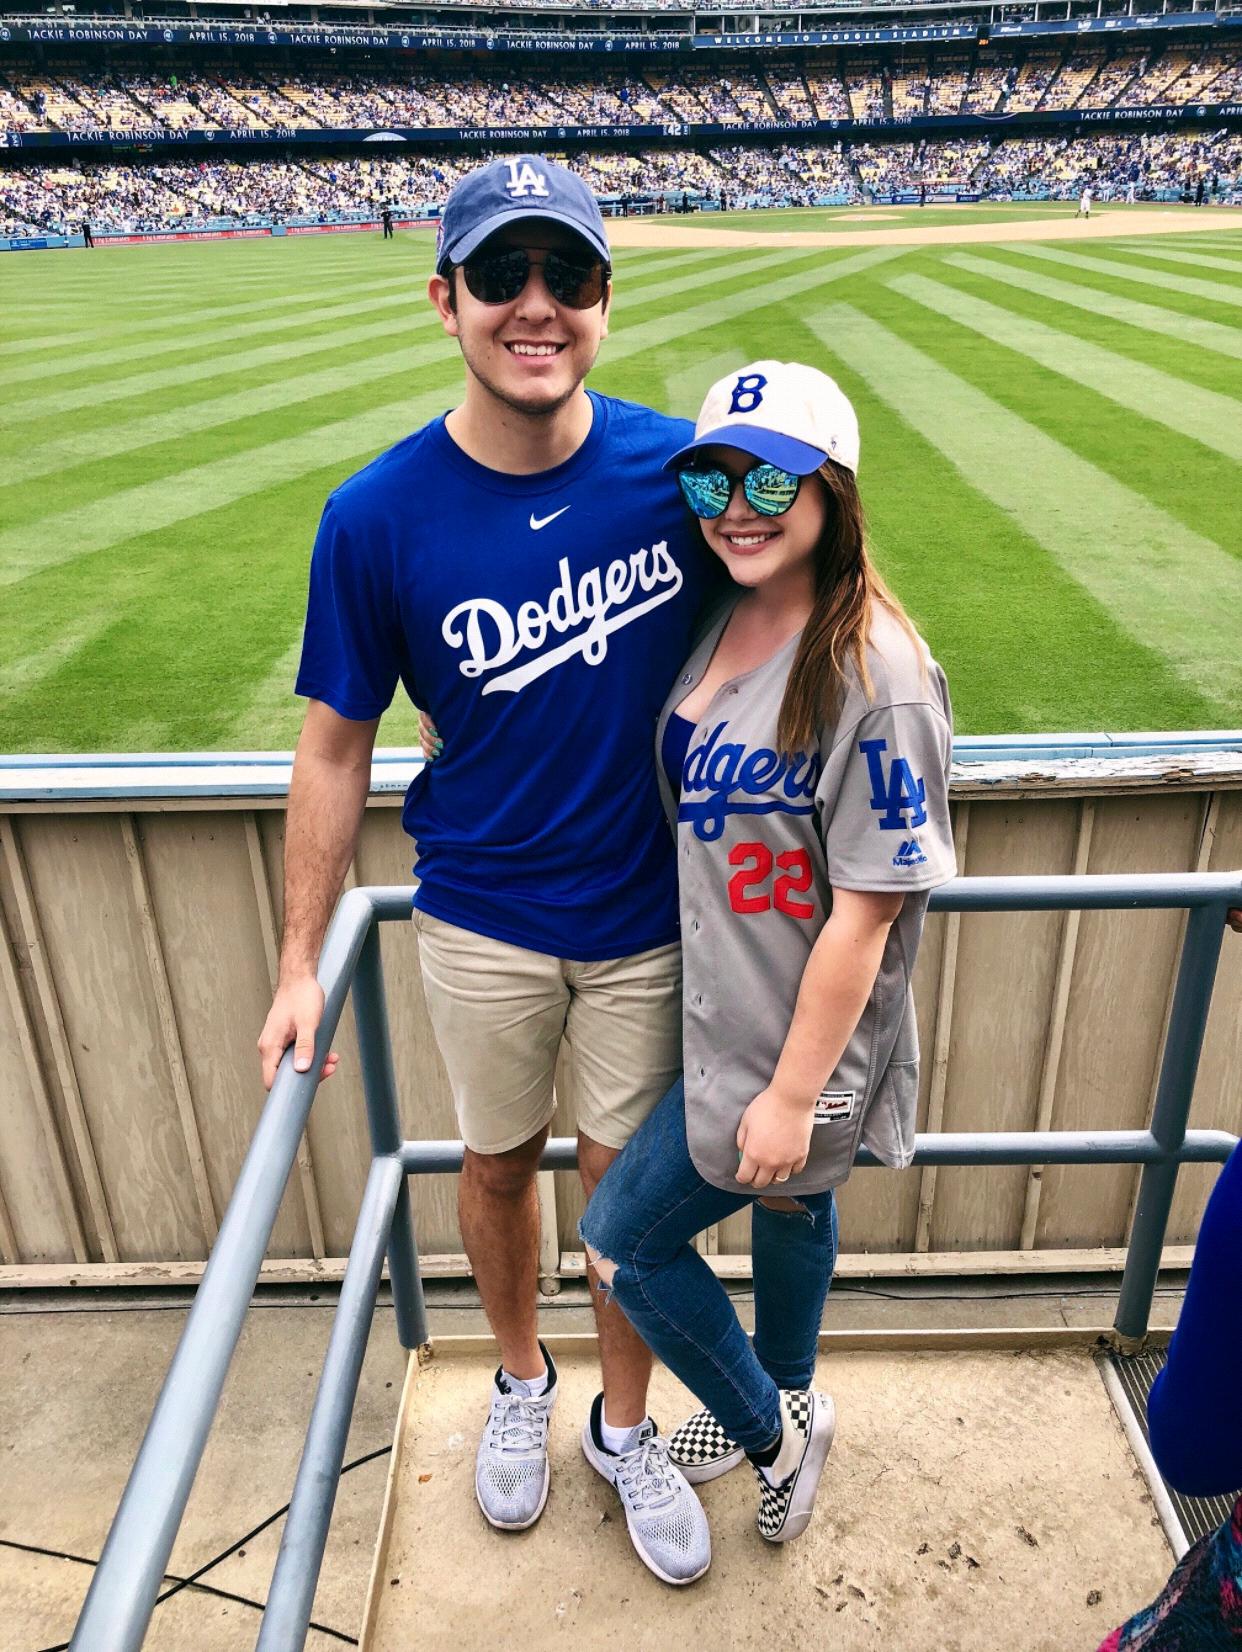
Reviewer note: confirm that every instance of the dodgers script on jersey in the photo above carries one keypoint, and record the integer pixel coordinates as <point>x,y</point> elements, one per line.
<point>762,840</point>
<point>539,620</point>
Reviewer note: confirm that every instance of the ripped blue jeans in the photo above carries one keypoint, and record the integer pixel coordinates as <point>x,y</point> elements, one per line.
<point>644,1213</point>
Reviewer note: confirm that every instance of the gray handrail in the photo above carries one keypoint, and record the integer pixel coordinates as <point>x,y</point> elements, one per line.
<point>122,1595</point>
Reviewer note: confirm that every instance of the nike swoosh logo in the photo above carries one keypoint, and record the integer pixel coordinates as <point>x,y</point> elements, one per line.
<point>538,522</point>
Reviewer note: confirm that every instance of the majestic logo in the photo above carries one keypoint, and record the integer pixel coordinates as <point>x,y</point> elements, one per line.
<point>525,180</point>
<point>492,636</point>
<point>910,854</point>
<point>538,522</point>
<point>769,783</point>
<point>831,1105</point>
<point>897,794</point>
<point>747,392</point>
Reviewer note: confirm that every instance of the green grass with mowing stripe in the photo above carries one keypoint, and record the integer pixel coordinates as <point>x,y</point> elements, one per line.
<point>1049,458</point>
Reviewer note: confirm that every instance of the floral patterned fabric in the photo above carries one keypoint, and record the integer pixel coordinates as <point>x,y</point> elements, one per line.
<point>1200,1608</point>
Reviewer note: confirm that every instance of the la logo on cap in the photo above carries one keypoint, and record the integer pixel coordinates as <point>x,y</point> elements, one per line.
<point>525,180</point>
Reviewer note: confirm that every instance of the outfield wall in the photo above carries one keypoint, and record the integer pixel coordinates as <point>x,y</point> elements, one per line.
<point>140,909</point>
<point>236,232</point>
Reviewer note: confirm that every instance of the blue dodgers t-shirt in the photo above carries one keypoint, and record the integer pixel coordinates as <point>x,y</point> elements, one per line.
<point>540,620</point>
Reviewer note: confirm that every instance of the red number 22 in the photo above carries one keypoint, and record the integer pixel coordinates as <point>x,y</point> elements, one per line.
<point>755,861</point>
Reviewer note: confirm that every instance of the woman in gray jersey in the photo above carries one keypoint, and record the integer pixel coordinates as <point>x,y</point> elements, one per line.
<point>804,757</point>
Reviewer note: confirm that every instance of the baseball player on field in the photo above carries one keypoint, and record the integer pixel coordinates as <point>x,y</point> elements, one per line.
<point>804,755</point>
<point>525,568</point>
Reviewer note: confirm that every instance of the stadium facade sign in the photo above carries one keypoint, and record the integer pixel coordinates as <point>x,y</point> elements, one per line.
<point>124,33</point>
<point>560,43</point>
<point>966,31</point>
<point>149,137</point>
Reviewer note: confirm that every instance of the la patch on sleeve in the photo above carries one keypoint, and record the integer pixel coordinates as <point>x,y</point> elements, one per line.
<point>896,794</point>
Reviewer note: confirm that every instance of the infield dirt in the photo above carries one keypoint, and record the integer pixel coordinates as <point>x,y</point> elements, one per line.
<point>656,232</point>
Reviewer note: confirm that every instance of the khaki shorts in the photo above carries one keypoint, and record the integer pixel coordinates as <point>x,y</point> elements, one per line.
<point>501,1012</point>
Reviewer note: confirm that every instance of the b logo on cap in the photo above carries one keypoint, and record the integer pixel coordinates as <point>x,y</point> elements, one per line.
<point>747,392</point>
<point>524,180</point>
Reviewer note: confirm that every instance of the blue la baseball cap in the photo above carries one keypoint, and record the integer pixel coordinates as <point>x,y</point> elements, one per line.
<point>523,186</point>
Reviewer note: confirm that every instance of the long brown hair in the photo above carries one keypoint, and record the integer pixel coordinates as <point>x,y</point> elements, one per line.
<point>847,585</point>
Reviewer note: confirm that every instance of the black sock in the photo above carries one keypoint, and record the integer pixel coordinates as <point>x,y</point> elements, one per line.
<point>765,1457</point>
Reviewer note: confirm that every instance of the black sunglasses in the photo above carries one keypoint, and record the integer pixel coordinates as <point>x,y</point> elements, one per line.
<point>498,277</point>
<point>767,488</point>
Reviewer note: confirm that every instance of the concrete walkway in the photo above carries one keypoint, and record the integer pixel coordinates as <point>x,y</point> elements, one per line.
<point>80,1377</point>
<point>971,1502</point>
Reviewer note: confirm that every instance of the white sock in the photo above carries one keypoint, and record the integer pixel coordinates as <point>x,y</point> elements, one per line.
<point>788,1457</point>
<point>616,1440</point>
<point>532,1387</point>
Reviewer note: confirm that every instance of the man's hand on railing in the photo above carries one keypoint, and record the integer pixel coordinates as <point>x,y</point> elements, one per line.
<point>1235,920</point>
<point>294,1018</point>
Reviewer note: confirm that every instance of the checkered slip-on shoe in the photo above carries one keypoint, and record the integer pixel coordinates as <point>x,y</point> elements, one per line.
<point>785,1510</point>
<point>702,1450</point>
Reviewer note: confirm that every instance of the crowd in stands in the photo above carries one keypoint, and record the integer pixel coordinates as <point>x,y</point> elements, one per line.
<point>948,165</point>
<point>1119,166</point>
<point>274,92</point>
<point>139,197</point>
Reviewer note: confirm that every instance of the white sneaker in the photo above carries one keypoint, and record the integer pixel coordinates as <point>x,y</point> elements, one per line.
<point>511,1475</point>
<point>702,1450</point>
<point>665,1519</point>
<point>808,1421</point>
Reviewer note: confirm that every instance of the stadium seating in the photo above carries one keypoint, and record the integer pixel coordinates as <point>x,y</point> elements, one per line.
<point>863,86</point>
<point>139,197</point>
<point>77,93</point>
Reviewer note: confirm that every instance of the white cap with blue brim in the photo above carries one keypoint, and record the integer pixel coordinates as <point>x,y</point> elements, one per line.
<point>781,412</point>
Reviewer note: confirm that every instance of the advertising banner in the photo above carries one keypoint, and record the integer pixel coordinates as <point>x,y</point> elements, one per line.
<point>249,232</point>
<point>543,137</point>
<point>561,42</point>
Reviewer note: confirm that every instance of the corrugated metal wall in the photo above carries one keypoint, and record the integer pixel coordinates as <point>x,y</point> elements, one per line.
<point>139,945</point>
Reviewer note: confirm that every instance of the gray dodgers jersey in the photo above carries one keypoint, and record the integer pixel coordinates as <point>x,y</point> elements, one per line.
<point>761,843</point>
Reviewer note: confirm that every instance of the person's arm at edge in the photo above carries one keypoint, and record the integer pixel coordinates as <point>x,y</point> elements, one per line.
<point>774,1136</point>
<point>327,796</point>
<point>1193,1411</point>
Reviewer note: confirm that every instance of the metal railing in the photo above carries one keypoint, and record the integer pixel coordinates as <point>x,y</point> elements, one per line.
<point>123,1591</point>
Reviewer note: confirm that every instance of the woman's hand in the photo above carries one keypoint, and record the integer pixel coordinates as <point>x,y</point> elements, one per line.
<point>774,1138</point>
<point>429,738</point>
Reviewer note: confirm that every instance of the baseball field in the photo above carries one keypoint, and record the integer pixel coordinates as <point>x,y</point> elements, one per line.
<point>1052,431</point>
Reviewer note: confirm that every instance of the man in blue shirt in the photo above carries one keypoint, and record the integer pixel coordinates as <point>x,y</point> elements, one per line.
<point>523,567</point>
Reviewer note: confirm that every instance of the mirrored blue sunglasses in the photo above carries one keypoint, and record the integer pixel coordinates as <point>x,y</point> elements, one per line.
<point>767,488</point>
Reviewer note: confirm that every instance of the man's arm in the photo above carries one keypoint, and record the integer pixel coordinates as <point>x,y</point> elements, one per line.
<point>327,796</point>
